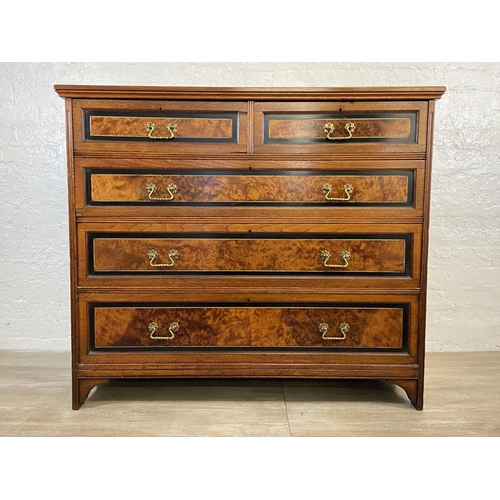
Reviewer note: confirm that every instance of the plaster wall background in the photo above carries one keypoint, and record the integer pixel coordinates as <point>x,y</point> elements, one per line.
<point>464,269</point>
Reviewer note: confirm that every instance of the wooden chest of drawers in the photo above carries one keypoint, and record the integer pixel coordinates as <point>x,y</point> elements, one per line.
<point>239,232</point>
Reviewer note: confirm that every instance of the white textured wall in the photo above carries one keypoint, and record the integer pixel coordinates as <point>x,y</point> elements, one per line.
<point>464,277</point>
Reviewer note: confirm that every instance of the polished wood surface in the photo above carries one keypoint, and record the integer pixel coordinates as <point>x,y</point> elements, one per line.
<point>247,277</point>
<point>119,126</point>
<point>297,127</point>
<point>366,255</point>
<point>249,327</point>
<point>188,128</point>
<point>380,93</point>
<point>35,396</point>
<point>221,188</point>
<point>209,180</point>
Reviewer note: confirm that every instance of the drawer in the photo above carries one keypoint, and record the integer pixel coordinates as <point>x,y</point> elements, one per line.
<point>364,327</point>
<point>363,255</point>
<point>342,127</point>
<point>383,188</point>
<point>160,126</point>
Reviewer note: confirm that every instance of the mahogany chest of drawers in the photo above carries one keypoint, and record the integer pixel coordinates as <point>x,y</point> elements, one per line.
<point>248,232</point>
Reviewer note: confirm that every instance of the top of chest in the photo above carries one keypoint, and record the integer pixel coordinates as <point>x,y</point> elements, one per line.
<point>205,120</point>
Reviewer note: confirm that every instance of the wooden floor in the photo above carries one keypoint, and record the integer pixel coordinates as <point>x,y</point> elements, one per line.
<point>462,398</point>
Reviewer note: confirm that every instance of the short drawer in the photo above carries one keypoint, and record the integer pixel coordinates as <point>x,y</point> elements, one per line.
<point>358,327</point>
<point>330,128</point>
<point>160,126</point>
<point>374,255</point>
<point>388,188</point>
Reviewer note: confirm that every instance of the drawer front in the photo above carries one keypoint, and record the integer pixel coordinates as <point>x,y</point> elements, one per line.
<point>333,188</point>
<point>367,327</point>
<point>359,255</point>
<point>156,126</point>
<point>331,128</point>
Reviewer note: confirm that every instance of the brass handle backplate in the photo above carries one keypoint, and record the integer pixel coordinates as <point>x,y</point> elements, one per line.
<point>345,256</point>
<point>348,189</point>
<point>153,328</point>
<point>172,128</point>
<point>153,254</point>
<point>323,329</point>
<point>329,128</point>
<point>171,188</point>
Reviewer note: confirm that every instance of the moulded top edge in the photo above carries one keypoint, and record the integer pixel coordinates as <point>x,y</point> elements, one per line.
<point>249,93</point>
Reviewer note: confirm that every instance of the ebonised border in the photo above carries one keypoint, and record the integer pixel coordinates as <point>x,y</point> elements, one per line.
<point>410,174</point>
<point>405,306</point>
<point>336,116</point>
<point>327,273</point>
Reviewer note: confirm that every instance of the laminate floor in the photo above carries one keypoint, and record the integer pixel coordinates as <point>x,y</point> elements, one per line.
<point>462,398</point>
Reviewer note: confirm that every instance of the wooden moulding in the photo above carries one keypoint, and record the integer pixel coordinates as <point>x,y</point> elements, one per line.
<point>250,93</point>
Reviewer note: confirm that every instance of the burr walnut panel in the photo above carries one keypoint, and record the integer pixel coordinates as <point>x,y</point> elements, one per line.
<point>360,254</point>
<point>321,188</point>
<point>367,328</point>
<point>380,128</point>
<point>186,128</point>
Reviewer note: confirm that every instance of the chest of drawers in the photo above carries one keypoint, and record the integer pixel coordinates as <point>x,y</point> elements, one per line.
<point>248,232</point>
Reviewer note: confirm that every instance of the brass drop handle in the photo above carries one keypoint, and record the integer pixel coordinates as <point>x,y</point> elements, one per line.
<point>171,188</point>
<point>343,327</point>
<point>345,256</point>
<point>153,254</point>
<point>172,128</point>
<point>329,128</point>
<point>348,189</point>
<point>153,328</point>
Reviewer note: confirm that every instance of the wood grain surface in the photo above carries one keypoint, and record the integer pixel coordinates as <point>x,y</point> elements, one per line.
<point>372,328</point>
<point>367,255</point>
<point>221,188</point>
<point>188,128</point>
<point>366,128</point>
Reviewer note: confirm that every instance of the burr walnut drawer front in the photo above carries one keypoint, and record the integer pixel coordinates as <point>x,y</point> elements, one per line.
<point>383,255</point>
<point>365,188</point>
<point>160,127</point>
<point>367,327</point>
<point>342,127</point>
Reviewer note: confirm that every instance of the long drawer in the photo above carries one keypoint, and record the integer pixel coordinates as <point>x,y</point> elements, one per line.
<point>387,188</point>
<point>237,254</point>
<point>369,327</point>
